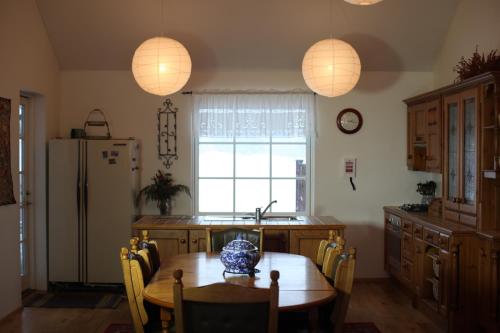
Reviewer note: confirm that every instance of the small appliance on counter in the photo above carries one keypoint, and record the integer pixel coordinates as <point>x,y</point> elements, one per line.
<point>427,190</point>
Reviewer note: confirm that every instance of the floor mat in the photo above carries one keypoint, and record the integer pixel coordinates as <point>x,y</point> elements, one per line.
<point>86,300</point>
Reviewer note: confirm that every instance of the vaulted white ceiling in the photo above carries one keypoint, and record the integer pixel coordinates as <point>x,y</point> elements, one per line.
<point>247,35</point>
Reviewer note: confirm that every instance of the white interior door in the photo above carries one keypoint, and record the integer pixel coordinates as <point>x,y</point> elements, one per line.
<point>25,175</point>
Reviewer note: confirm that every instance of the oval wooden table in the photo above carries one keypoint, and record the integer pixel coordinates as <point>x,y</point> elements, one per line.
<point>302,287</point>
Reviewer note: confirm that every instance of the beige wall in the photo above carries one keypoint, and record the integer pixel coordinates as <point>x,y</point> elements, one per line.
<point>379,147</point>
<point>475,23</point>
<point>27,63</point>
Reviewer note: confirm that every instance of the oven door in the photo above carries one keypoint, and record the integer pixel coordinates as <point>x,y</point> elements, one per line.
<point>393,249</point>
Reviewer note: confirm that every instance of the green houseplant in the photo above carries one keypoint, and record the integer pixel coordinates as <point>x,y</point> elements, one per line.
<point>162,190</point>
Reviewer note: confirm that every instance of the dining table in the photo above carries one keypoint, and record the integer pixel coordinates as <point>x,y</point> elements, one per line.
<point>302,286</point>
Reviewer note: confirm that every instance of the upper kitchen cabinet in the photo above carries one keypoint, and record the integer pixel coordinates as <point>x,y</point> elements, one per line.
<point>461,137</point>
<point>461,156</point>
<point>424,144</point>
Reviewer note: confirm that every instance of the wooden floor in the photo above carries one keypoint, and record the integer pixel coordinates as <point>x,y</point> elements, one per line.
<point>380,302</point>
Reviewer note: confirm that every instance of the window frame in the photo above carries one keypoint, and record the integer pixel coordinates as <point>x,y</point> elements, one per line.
<point>308,176</point>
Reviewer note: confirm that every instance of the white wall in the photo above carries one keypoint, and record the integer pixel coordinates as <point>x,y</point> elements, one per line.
<point>380,146</point>
<point>27,63</point>
<point>475,24</point>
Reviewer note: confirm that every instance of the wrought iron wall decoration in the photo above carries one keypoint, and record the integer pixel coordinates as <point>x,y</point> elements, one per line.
<point>167,133</point>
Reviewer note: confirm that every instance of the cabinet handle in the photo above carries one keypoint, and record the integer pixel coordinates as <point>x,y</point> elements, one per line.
<point>183,241</point>
<point>455,200</point>
<point>459,200</point>
<point>482,252</point>
<point>194,241</point>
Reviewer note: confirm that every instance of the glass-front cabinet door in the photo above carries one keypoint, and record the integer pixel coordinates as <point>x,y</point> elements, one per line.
<point>469,152</point>
<point>452,144</point>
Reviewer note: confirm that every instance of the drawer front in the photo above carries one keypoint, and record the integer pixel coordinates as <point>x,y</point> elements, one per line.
<point>451,215</point>
<point>418,231</point>
<point>468,219</point>
<point>444,242</point>
<point>407,226</point>
<point>431,236</point>
<point>407,246</point>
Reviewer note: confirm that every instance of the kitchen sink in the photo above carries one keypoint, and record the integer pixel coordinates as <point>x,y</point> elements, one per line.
<point>249,218</point>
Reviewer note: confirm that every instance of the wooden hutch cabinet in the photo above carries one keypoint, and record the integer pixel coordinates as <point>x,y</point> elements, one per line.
<point>450,263</point>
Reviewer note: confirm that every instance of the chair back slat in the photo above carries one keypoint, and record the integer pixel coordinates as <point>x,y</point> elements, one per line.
<point>331,254</point>
<point>203,308</point>
<point>132,277</point>
<point>344,279</point>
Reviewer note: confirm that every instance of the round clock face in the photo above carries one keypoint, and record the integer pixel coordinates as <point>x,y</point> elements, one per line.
<point>349,121</point>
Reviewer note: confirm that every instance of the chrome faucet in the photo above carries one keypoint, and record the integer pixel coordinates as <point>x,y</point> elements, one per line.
<point>260,214</point>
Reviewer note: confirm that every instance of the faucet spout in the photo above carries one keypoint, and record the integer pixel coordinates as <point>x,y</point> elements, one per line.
<point>267,207</point>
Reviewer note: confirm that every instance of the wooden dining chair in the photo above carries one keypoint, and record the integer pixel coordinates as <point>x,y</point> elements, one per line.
<point>134,285</point>
<point>225,307</point>
<point>323,245</point>
<point>217,239</point>
<point>331,254</point>
<point>342,276</point>
<point>153,251</point>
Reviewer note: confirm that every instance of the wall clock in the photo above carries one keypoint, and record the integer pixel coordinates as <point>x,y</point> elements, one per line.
<point>349,121</point>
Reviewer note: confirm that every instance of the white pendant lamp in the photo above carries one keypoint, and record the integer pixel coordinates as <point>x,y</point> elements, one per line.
<point>363,2</point>
<point>161,66</point>
<point>331,67</point>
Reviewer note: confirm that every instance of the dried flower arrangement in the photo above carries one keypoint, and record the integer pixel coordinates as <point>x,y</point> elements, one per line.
<point>477,64</point>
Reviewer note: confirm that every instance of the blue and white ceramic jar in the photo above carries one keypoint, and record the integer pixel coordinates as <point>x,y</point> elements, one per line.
<point>240,257</point>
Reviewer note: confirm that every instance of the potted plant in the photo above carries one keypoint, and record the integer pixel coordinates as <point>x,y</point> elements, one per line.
<point>162,190</point>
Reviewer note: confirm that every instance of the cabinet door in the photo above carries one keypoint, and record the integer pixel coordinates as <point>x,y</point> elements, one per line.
<point>434,147</point>
<point>410,120</point>
<point>276,240</point>
<point>445,284</point>
<point>170,242</point>
<point>418,266</point>
<point>420,123</point>
<point>452,142</point>
<point>197,240</point>
<point>469,152</point>
<point>306,242</point>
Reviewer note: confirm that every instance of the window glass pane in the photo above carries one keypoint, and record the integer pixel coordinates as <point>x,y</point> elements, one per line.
<point>215,160</point>
<point>252,139</point>
<point>252,160</point>
<point>289,160</point>
<point>291,195</point>
<point>251,193</point>
<point>215,195</point>
<point>216,139</point>
<point>290,140</point>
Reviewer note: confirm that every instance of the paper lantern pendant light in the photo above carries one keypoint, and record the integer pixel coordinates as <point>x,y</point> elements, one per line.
<point>363,2</point>
<point>161,66</point>
<point>331,67</point>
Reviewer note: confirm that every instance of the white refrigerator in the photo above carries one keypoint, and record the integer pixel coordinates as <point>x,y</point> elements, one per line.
<point>92,185</point>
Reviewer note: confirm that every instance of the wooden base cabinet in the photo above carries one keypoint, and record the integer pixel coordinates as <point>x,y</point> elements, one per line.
<point>437,267</point>
<point>488,307</point>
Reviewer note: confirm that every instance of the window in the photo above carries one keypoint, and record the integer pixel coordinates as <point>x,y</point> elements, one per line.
<point>252,149</point>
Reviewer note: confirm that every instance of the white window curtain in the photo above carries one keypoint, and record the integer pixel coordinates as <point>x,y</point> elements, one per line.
<point>254,115</point>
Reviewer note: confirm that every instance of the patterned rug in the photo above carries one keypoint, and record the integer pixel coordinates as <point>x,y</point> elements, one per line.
<point>348,328</point>
<point>87,300</point>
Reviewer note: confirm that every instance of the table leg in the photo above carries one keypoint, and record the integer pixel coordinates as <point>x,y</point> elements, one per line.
<point>313,319</point>
<point>165,317</point>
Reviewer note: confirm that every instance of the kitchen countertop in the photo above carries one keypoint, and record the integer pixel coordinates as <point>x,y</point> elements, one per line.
<point>151,222</point>
<point>431,221</point>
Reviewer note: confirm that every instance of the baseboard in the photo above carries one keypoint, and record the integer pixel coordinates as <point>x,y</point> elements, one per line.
<point>10,315</point>
<point>376,280</point>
